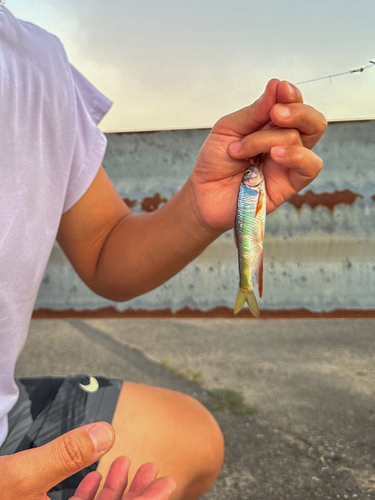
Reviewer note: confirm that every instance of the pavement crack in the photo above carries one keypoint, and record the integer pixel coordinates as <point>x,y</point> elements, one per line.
<point>159,374</point>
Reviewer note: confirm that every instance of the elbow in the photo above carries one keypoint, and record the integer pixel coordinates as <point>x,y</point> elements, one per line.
<point>114,296</point>
<point>122,293</point>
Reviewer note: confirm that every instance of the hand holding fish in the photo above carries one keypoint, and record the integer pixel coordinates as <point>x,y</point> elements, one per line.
<point>278,130</point>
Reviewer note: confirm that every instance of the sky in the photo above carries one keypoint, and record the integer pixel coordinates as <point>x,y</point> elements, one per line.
<point>173,64</point>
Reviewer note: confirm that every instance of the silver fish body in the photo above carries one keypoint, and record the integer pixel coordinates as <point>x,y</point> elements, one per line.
<point>249,233</point>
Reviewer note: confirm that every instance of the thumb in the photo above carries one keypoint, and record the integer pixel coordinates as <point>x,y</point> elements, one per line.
<point>253,117</point>
<point>52,463</point>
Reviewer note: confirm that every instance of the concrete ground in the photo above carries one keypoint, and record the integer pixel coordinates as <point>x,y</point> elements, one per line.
<point>309,428</point>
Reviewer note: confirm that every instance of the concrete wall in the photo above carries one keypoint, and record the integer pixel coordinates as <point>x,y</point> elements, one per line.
<point>319,249</point>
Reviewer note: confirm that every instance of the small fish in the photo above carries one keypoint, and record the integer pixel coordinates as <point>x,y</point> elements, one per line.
<point>249,232</point>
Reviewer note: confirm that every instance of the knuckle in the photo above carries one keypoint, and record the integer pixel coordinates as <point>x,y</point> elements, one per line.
<point>294,137</point>
<point>222,125</point>
<point>219,122</point>
<point>299,156</point>
<point>72,454</point>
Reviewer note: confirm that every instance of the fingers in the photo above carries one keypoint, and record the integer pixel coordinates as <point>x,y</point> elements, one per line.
<point>290,112</point>
<point>88,487</point>
<point>249,119</point>
<point>160,489</point>
<point>262,141</point>
<point>282,106</point>
<point>144,476</point>
<point>44,467</point>
<point>308,121</point>
<point>287,92</point>
<point>303,164</point>
<point>116,480</point>
<point>144,485</point>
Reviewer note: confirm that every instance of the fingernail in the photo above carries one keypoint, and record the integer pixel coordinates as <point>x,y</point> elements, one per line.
<point>101,436</point>
<point>278,152</point>
<point>235,147</point>
<point>292,90</point>
<point>283,111</point>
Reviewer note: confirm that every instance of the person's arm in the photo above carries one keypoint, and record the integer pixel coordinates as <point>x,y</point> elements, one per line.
<point>121,255</point>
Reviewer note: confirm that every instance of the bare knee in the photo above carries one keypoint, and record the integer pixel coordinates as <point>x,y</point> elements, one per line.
<point>206,447</point>
<point>171,429</point>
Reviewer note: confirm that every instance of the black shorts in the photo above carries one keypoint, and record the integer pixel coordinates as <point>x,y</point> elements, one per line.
<point>48,407</point>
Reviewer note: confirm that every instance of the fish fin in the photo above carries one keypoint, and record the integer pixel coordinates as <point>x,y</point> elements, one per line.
<point>259,272</point>
<point>260,204</point>
<point>235,239</point>
<point>249,297</point>
<point>261,277</point>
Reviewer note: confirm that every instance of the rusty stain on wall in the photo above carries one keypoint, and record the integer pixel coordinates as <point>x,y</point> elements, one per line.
<point>152,204</point>
<point>148,204</point>
<point>130,203</point>
<point>187,312</point>
<point>328,200</point>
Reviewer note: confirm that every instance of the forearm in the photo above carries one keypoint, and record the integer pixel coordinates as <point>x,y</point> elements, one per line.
<point>143,251</point>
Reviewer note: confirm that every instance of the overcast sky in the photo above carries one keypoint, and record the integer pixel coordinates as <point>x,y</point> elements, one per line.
<point>170,64</point>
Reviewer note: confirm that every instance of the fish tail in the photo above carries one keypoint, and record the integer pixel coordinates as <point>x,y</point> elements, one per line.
<point>249,297</point>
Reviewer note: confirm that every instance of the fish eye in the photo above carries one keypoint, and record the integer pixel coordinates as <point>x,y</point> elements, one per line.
<point>248,172</point>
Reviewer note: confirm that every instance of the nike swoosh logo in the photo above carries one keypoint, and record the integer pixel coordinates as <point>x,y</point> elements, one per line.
<point>92,386</point>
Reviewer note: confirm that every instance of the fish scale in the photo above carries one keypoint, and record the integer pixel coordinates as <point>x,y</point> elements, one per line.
<point>246,227</point>
<point>249,231</point>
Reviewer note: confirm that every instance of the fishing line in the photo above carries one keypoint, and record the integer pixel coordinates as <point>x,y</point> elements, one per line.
<point>350,72</point>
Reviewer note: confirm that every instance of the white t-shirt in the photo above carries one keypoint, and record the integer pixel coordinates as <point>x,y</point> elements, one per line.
<point>50,152</point>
